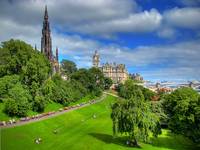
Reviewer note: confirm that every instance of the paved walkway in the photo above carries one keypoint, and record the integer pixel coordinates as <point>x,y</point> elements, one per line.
<point>57,113</point>
<point>111,94</point>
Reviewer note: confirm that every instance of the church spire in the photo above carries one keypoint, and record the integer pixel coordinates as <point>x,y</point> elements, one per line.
<point>46,13</point>
<point>46,45</point>
<point>57,53</point>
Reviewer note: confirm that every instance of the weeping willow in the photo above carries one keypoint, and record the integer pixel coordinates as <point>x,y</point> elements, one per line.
<point>135,118</point>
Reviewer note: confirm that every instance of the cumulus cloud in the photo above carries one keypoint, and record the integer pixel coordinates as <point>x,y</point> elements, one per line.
<point>190,2</point>
<point>22,19</point>
<point>167,32</point>
<point>100,17</point>
<point>146,21</point>
<point>183,17</point>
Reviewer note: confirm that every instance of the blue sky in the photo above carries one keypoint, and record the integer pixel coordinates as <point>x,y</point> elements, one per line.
<point>160,39</point>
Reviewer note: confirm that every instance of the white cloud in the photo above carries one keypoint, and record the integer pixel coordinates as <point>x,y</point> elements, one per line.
<point>100,17</point>
<point>183,17</point>
<point>167,32</point>
<point>146,21</point>
<point>23,20</point>
<point>190,2</point>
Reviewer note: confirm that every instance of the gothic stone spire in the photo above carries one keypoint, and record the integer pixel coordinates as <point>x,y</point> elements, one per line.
<point>46,45</point>
<point>96,60</point>
<point>57,53</point>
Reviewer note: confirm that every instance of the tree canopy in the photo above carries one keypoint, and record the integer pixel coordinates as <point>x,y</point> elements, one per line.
<point>134,116</point>
<point>68,67</point>
<point>183,109</point>
<point>27,83</point>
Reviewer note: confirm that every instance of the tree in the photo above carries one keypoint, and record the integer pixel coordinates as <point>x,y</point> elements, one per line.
<point>129,89</point>
<point>107,83</point>
<point>7,82</point>
<point>14,54</point>
<point>183,109</point>
<point>92,80</point>
<point>36,70</point>
<point>48,90</point>
<point>11,107</point>
<point>39,103</point>
<point>135,117</point>
<point>19,100</point>
<point>68,67</point>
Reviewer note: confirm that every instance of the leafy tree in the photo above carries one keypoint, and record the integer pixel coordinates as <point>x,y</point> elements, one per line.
<point>134,117</point>
<point>107,83</point>
<point>183,109</point>
<point>48,90</point>
<point>39,103</point>
<point>14,54</point>
<point>82,76</point>
<point>36,70</point>
<point>129,89</point>
<point>21,98</point>
<point>68,67</point>
<point>11,107</point>
<point>6,83</point>
<point>78,88</point>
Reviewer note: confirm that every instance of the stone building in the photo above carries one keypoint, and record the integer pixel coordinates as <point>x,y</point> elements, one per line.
<point>96,59</point>
<point>117,72</point>
<point>136,76</point>
<point>46,44</point>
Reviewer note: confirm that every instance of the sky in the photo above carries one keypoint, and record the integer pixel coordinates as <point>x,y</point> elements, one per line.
<point>160,39</point>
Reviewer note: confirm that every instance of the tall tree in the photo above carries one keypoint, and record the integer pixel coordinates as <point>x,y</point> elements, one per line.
<point>135,117</point>
<point>183,109</point>
<point>68,67</point>
<point>14,54</point>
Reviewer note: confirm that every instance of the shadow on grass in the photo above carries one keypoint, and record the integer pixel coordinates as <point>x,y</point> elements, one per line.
<point>175,142</point>
<point>109,139</point>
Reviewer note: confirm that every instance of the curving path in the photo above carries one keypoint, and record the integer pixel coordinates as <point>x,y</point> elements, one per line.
<point>19,123</point>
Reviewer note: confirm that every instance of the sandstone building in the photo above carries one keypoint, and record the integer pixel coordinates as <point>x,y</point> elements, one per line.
<point>117,72</point>
<point>46,44</point>
<point>136,76</point>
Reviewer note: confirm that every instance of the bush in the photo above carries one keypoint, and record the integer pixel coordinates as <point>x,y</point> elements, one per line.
<point>39,103</point>
<point>21,98</point>
<point>11,107</point>
<point>6,83</point>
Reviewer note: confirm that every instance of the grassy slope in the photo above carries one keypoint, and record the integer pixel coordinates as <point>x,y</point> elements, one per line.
<point>79,130</point>
<point>50,107</point>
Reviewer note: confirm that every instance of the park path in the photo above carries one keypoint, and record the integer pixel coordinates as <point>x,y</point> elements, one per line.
<point>57,113</point>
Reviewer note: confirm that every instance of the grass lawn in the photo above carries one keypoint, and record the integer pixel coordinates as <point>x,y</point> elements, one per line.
<point>50,107</point>
<point>79,130</point>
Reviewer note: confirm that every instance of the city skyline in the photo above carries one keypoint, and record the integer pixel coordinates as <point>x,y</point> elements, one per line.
<point>158,40</point>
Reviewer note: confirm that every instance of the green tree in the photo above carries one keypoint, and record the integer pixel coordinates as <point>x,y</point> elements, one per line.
<point>68,67</point>
<point>107,83</point>
<point>20,97</point>
<point>14,54</point>
<point>7,82</point>
<point>129,89</point>
<point>183,109</point>
<point>39,103</point>
<point>135,117</point>
<point>11,107</point>
<point>48,90</point>
<point>36,70</point>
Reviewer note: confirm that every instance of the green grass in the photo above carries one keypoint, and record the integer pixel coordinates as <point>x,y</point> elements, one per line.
<point>50,107</point>
<point>78,130</point>
<point>84,99</point>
